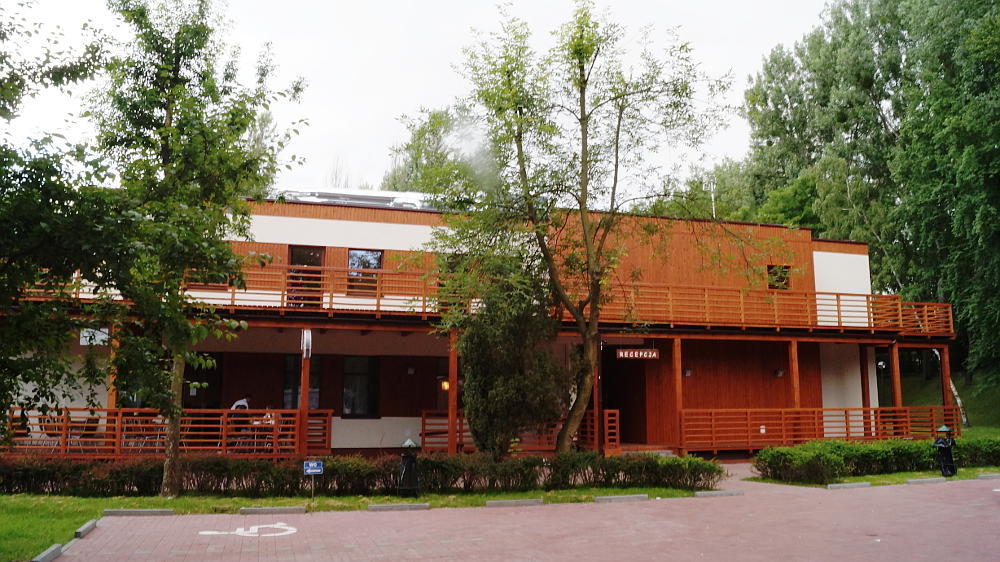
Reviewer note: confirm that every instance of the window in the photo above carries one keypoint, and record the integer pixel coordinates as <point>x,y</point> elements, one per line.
<point>778,277</point>
<point>305,275</point>
<point>361,394</point>
<point>293,367</point>
<point>358,262</point>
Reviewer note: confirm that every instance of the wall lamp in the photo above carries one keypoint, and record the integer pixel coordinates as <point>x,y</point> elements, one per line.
<point>778,373</point>
<point>688,372</point>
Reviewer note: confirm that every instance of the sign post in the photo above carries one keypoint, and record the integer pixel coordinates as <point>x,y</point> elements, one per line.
<point>311,469</point>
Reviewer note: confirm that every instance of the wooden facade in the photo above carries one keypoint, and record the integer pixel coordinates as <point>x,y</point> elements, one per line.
<point>744,361</point>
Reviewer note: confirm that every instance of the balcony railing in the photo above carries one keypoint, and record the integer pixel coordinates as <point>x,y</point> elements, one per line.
<point>434,434</point>
<point>108,433</point>
<point>750,429</point>
<point>378,293</point>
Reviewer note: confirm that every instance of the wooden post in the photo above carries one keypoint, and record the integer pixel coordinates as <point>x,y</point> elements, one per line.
<point>946,397</point>
<point>453,393</point>
<point>793,369</point>
<point>304,371</point>
<point>678,379</point>
<point>866,398</point>
<point>596,398</point>
<point>897,384</point>
<point>112,372</point>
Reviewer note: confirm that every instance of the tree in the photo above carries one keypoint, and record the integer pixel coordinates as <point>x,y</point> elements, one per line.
<point>51,224</point>
<point>949,160</point>
<point>512,381</point>
<point>174,122</point>
<point>835,97</point>
<point>571,134</point>
<point>434,161</point>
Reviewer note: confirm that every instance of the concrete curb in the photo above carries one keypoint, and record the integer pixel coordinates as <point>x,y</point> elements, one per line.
<point>85,528</point>
<point>937,480</point>
<point>992,476</point>
<point>398,506</point>
<point>718,493</point>
<point>272,510</point>
<point>624,498</point>
<point>133,512</point>
<point>50,553</point>
<point>513,503</point>
<point>68,545</point>
<point>848,485</point>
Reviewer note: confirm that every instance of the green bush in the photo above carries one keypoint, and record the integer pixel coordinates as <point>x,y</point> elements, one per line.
<point>566,470</point>
<point>352,475</point>
<point>821,462</point>
<point>805,463</point>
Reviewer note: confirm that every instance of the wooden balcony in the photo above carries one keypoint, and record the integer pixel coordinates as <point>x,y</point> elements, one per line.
<point>334,291</point>
<point>112,433</point>
<point>434,435</point>
<point>754,429</point>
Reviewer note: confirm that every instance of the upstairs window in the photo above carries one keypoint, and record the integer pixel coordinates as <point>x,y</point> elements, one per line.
<point>358,261</point>
<point>778,277</point>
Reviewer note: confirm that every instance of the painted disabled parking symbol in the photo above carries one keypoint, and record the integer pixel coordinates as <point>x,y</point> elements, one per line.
<point>255,531</point>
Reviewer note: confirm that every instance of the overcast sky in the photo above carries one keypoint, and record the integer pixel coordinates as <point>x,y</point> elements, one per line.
<point>366,63</point>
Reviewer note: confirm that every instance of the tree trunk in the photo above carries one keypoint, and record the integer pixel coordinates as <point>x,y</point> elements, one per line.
<point>591,350</point>
<point>171,486</point>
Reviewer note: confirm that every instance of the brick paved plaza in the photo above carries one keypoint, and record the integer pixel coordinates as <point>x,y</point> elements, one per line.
<point>950,521</point>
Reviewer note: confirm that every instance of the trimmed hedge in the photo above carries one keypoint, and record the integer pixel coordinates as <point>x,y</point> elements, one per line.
<point>822,462</point>
<point>354,475</point>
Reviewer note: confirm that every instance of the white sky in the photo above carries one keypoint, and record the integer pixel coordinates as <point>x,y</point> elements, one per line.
<point>368,63</point>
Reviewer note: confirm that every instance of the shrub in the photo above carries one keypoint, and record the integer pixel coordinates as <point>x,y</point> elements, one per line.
<point>353,475</point>
<point>566,470</point>
<point>438,472</point>
<point>821,462</point>
<point>805,463</point>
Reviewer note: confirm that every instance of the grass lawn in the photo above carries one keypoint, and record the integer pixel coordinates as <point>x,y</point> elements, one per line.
<point>981,405</point>
<point>31,523</point>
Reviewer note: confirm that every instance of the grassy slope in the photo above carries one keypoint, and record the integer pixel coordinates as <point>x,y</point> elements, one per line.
<point>983,407</point>
<point>29,524</point>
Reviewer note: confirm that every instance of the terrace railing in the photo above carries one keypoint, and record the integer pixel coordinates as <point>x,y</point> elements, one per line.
<point>108,433</point>
<point>434,434</point>
<point>751,429</point>
<point>382,292</point>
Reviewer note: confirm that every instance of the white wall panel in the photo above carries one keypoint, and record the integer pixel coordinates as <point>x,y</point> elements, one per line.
<point>346,234</point>
<point>383,432</point>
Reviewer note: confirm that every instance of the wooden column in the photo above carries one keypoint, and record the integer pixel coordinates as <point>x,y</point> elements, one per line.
<point>793,371</point>
<point>866,398</point>
<point>678,381</point>
<point>453,393</point>
<point>946,397</point>
<point>596,404</point>
<point>112,372</point>
<point>304,370</point>
<point>897,384</point>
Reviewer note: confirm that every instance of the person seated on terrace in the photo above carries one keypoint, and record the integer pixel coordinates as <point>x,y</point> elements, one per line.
<point>242,403</point>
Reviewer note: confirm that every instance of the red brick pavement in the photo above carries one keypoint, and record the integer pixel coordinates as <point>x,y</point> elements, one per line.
<point>951,521</point>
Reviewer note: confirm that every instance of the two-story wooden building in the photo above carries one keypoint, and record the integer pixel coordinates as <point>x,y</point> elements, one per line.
<point>716,336</point>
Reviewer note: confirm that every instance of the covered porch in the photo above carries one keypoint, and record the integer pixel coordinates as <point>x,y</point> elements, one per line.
<point>116,433</point>
<point>716,392</point>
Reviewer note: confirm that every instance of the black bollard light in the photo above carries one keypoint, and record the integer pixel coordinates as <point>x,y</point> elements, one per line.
<point>945,456</point>
<point>409,483</point>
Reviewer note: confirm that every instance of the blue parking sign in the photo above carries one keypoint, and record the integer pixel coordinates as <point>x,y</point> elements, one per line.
<point>312,467</point>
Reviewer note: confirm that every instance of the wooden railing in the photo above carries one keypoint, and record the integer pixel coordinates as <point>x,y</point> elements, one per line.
<point>108,433</point>
<point>434,434</point>
<point>382,292</point>
<point>751,429</point>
